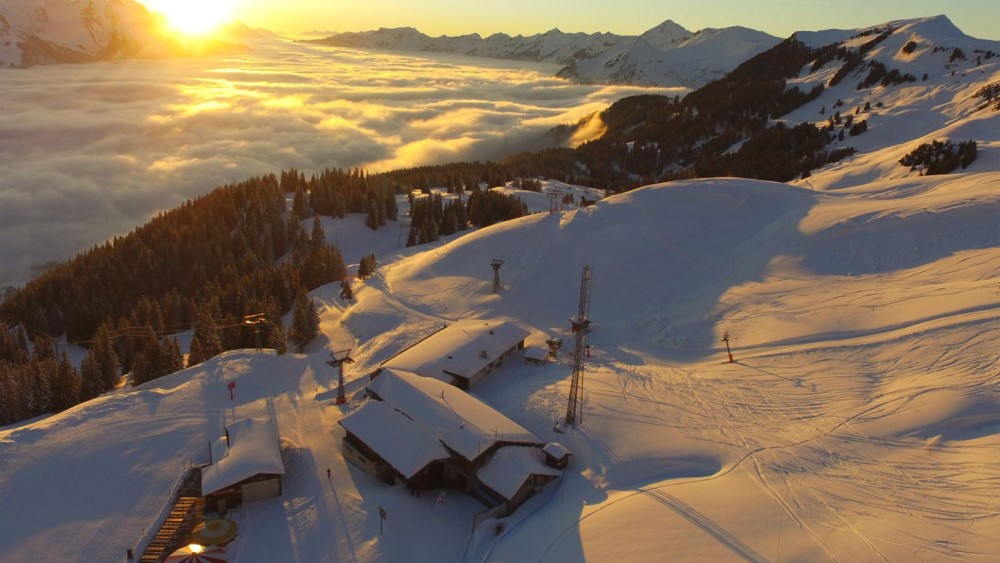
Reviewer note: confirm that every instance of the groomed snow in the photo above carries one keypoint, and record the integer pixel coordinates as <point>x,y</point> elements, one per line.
<point>860,420</point>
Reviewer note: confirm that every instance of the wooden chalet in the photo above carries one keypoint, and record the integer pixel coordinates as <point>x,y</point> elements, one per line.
<point>246,465</point>
<point>424,433</point>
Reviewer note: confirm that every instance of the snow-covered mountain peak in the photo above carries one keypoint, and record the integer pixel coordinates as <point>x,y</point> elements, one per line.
<point>939,27</point>
<point>34,32</point>
<point>40,32</point>
<point>592,57</point>
<point>667,35</point>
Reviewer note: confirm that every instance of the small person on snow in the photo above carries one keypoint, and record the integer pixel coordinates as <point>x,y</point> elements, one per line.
<point>327,472</point>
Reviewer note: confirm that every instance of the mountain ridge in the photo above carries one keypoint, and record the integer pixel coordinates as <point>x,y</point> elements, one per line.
<point>66,31</point>
<point>665,55</point>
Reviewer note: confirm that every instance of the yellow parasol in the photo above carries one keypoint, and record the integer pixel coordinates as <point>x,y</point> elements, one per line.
<point>218,531</point>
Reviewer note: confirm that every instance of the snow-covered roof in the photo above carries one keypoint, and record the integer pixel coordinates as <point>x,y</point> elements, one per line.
<point>511,466</point>
<point>556,450</point>
<point>400,440</point>
<point>443,412</point>
<point>253,449</point>
<point>536,353</point>
<point>461,349</point>
<point>219,448</point>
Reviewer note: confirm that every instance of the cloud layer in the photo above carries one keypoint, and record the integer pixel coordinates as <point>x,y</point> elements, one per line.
<point>91,151</point>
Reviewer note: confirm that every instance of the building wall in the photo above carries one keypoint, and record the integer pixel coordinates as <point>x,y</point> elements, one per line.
<point>259,490</point>
<point>495,363</point>
<point>359,459</point>
<point>258,487</point>
<point>531,486</point>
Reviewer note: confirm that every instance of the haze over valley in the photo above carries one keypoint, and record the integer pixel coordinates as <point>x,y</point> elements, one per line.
<point>110,144</point>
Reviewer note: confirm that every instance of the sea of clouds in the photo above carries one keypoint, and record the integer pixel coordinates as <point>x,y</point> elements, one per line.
<point>91,151</point>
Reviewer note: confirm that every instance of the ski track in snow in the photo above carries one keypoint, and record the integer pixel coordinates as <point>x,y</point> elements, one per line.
<point>806,439</point>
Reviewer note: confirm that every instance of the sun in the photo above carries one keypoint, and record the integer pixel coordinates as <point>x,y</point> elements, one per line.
<point>194,17</point>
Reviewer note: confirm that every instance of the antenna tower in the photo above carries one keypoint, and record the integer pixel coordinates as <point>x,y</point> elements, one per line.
<point>496,273</point>
<point>338,362</point>
<point>581,326</point>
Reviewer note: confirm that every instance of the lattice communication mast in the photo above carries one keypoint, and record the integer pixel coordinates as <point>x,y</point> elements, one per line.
<point>581,326</point>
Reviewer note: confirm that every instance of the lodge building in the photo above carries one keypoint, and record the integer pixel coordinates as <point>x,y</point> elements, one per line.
<point>246,465</point>
<point>462,353</point>
<point>425,433</point>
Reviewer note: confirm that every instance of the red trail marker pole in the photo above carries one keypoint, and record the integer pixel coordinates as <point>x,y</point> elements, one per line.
<point>725,338</point>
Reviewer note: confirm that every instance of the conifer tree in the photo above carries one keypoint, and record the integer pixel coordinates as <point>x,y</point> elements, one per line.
<point>207,341</point>
<point>276,337</point>
<point>300,205</point>
<point>171,356</point>
<point>66,386</point>
<point>40,390</point>
<point>305,321</point>
<point>105,359</point>
<point>146,366</point>
<point>367,266</point>
<point>45,348</point>
<point>7,393</point>
<point>371,221</point>
<point>346,293</point>
<point>91,384</point>
<point>318,236</point>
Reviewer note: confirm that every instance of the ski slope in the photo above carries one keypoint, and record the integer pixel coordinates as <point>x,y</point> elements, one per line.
<point>859,422</point>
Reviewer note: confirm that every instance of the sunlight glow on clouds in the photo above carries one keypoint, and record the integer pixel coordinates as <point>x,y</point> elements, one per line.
<point>92,151</point>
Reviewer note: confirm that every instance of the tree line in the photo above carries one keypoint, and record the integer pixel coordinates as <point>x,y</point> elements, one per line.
<point>205,265</point>
<point>228,265</point>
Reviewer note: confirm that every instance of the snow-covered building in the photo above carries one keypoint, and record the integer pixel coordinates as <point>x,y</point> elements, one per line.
<point>246,465</point>
<point>536,355</point>
<point>556,455</point>
<point>424,433</point>
<point>462,353</point>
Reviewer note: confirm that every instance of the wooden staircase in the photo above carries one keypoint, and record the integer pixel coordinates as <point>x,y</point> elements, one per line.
<point>188,511</point>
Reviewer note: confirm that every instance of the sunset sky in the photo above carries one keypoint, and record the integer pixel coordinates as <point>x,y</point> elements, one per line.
<point>453,17</point>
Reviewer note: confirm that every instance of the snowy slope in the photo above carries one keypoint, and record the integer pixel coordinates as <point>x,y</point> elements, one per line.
<point>943,106</point>
<point>662,59</point>
<point>864,323</point>
<point>54,31</point>
<point>860,421</point>
<point>37,32</point>
<point>666,55</point>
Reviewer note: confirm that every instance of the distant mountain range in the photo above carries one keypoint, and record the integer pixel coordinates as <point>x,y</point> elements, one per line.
<point>64,31</point>
<point>666,55</point>
<point>38,32</point>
